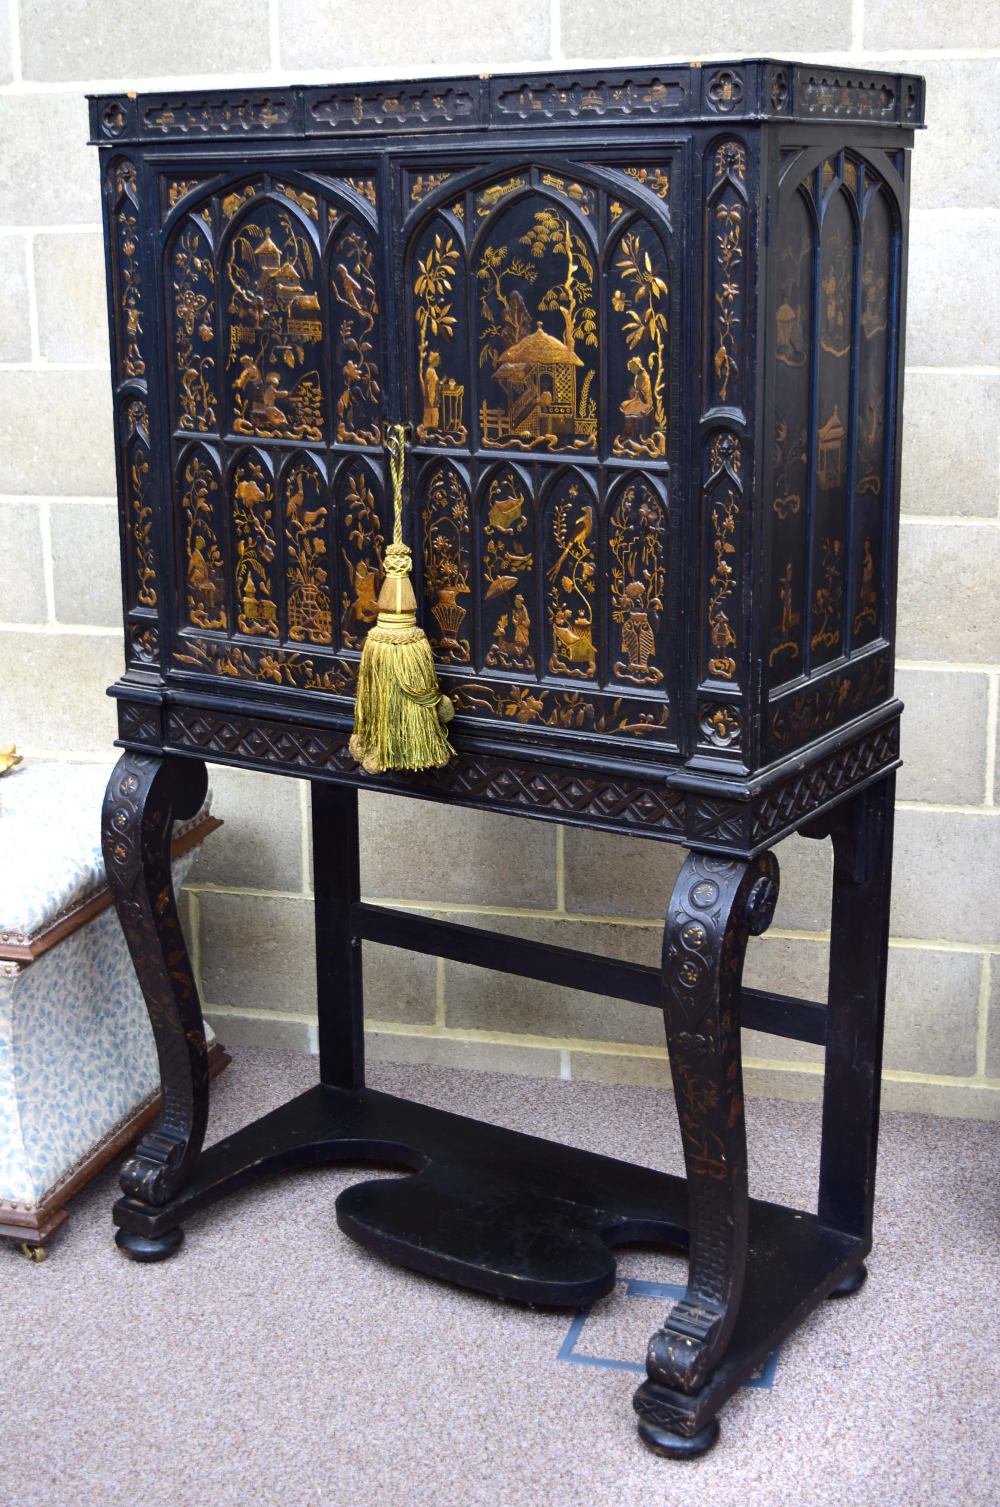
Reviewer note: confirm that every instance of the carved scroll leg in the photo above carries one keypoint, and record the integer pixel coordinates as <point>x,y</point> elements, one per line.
<point>716,906</point>
<point>145,794</point>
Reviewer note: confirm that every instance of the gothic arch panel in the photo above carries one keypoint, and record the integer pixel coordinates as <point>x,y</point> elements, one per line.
<point>355,316</point>
<point>255,549</point>
<point>202,542</point>
<point>508,612</point>
<point>309,582</point>
<point>638,344</point>
<point>636,545</point>
<point>536,331</point>
<point>793,346</point>
<point>569,557</point>
<point>273,324</point>
<point>193,322</point>
<point>439,317</point>
<point>874,417</point>
<point>832,490</point>
<point>139,521</point>
<point>447,561</point>
<point>363,530</point>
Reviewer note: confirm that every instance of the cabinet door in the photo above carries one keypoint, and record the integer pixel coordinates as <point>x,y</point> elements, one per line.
<point>274,298</point>
<point>539,309</point>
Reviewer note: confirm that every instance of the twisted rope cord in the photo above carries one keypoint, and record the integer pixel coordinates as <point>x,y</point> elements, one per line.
<point>398,560</point>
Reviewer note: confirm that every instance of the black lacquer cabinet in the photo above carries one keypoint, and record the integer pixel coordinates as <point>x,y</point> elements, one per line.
<point>646,325</point>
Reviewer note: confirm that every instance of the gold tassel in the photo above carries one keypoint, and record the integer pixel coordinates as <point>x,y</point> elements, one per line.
<point>400,712</point>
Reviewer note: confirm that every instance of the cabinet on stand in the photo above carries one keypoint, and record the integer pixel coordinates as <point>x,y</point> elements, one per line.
<point>646,327</point>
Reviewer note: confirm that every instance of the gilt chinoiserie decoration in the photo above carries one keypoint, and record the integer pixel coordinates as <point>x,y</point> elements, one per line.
<point>643,328</point>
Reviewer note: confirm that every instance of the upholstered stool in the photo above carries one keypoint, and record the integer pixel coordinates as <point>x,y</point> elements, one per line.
<point>78,1069</point>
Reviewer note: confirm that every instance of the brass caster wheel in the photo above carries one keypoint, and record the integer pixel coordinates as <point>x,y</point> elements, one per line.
<point>33,1252</point>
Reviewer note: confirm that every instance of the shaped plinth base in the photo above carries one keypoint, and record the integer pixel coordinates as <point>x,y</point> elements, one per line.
<point>514,1216</point>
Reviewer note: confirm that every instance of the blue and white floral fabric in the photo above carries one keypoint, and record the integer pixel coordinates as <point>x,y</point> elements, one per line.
<point>76,1050</point>
<point>50,843</point>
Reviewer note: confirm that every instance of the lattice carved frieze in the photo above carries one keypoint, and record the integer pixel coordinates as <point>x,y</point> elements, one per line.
<point>817,786</point>
<point>629,805</point>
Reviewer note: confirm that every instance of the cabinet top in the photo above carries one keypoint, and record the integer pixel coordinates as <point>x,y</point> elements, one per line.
<point>758,90</point>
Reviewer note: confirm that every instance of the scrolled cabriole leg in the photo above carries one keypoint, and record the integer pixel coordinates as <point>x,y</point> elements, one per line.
<point>145,795</point>
<point>717,905</point>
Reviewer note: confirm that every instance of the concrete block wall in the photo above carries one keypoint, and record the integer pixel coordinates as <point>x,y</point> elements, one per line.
<point>248,902</point>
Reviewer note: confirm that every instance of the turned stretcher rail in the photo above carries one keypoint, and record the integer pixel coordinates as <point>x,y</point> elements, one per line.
<point>777,1014</point>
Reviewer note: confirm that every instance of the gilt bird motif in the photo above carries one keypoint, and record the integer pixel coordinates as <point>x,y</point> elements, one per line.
<point>577,540</point>
<point>349,289</point>
<point>296,504</point>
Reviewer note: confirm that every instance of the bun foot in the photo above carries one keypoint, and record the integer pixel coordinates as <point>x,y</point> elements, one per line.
<point>851,1283</point>
<point>147,1248</point>
<point>678,1446</point>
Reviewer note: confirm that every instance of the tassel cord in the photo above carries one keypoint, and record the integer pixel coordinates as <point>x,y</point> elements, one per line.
<point>399,710</point>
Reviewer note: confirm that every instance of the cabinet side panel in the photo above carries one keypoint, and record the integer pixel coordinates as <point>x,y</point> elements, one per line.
<point>130,327</point>
<point>831,494</point>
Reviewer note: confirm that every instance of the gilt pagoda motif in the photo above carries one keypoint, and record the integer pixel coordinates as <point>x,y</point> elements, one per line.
<point>538,375</point>
<point>543,380</point>
<point>274,324</point>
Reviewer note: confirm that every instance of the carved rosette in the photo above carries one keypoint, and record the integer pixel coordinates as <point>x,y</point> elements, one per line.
<point>724,91</point>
